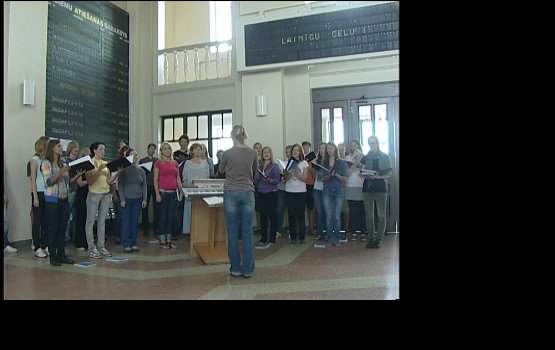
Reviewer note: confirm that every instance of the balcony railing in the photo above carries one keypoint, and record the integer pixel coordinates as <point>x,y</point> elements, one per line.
<point>194,62</point>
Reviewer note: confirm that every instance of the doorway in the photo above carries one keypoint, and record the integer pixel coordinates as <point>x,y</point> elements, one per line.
<point>348,113</point>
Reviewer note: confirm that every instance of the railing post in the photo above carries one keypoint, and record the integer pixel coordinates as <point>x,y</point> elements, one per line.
<point>206,60</point>
<point>186,58</point>
<point>165,68</point>
<point>197,65</point>
<point>218,67</point>
<point>229,61</point>
<point>176,65</point>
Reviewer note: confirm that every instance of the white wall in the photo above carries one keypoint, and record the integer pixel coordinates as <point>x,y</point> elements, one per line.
<point>25,58</point>
<point>23,124</point>
<point>268,130</point>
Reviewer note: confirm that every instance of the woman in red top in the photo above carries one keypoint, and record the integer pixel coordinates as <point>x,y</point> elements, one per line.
<point>168,192</point>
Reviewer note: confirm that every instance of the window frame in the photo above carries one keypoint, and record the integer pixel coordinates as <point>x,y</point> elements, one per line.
<point>185,117</point>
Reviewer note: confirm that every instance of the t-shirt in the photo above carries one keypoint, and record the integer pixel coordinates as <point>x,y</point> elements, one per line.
<point>295,185</point>
<point>167,175</point>
<point>100,185</point>
<point>239,165</point>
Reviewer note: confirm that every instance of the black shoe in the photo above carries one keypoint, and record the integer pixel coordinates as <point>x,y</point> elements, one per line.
<point>374,244</point>
<point>66,260</point>
<point>55,263</point>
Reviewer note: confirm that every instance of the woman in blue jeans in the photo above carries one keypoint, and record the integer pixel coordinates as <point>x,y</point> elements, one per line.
<point>239,164</point>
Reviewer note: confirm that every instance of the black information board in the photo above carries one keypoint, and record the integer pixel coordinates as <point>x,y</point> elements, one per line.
<point>340,33</point>
<point>87,73</point>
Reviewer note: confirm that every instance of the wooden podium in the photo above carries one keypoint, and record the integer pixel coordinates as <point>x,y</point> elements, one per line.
<point>208,232</point>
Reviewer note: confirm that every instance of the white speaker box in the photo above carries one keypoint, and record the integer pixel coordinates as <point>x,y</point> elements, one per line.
<point>28,92</point>
<point>261,105</point>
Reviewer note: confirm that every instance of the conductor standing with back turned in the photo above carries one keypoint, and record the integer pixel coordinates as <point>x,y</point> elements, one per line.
<point>239,164</point>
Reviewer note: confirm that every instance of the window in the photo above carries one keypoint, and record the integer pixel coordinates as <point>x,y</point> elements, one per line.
<point>373,121</point>
<point>213,129</point>
<point>220,22</point>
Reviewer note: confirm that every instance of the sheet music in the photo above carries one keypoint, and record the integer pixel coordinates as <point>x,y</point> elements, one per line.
<point>212,201</point>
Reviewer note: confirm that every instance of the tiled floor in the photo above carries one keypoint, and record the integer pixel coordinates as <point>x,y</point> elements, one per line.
<point>283,271</point>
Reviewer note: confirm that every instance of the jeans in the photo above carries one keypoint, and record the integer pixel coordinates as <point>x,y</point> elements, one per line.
<point>40,222</point>
<point>280,210</point>
<point>150,194</point>
<point>70,230</point>
<point>129,221</point>
<point>57,213</point>
<point>357,216</point>
<point>333,203</point>
<point>296,202</point>
<point>268,214</point>
<point>319,212</point>
<point>168,215</point>
<point>239,210</point>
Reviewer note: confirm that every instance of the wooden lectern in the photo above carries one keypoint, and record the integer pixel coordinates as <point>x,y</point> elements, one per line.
<point>208,232</point>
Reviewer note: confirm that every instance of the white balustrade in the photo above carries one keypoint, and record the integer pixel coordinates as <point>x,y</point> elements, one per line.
<point>216,55</point>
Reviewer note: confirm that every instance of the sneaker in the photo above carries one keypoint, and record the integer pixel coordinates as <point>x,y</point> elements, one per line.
<point>95,254</point>
<point>10,249</point>
<point>81,249</point>
<point>172,245</point>
<point>364,238</point>
<point>262,245</point>
<point>235,274</point>
<point>354,237</point>
<point>32,246</point>
<point>343,239</point>
<point>127,249</point>
<point>278,235</point>
<point>45,250</point>
<point>39,253</point>
<point>135,248</point>
<point>104,252</point>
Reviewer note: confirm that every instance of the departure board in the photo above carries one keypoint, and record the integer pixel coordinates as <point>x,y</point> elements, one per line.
<point>87,73</point>
<point>347,32</point>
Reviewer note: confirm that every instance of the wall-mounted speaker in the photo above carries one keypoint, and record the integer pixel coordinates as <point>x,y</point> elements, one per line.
<point>28,92</point>
<point>261,105</point>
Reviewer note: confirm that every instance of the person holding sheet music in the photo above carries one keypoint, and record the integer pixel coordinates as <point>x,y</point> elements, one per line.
<point>318,194</point>
<point>333,192</point>
<point>132,197</point>
<point>353,191</point>
<point>281,198</point>
<point>151,150</point>
<point>194,169</point>
<point>72,153</point>
<point>295,175</point>
<point>56,201</point>
<point>81,206</point>
<point>98,198</point>
<point>239,164</point>
<point>375,191</point>
<point>267,177</point>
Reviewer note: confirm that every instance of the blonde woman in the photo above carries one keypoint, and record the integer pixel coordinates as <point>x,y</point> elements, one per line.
<point>167,183</point>
<point>239,164</point>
